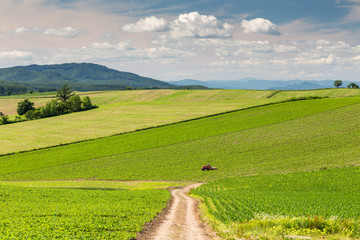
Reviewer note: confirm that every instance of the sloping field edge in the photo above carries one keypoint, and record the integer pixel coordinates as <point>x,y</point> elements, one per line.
<point>170,124</point>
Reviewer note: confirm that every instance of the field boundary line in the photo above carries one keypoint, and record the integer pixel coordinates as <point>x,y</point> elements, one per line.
<point>273,94</point>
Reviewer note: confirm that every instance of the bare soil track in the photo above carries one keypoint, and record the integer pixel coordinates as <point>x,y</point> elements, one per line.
<point>182,219</point>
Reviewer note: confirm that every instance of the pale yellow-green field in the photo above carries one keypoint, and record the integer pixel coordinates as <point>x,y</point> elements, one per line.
<point>329,92</point>
<point>124,111</point>
<point>118,112</point>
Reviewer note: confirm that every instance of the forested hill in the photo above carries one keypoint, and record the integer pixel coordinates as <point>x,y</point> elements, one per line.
<point>82,76</point>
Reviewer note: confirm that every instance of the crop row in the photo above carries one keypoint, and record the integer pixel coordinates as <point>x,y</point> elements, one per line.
<point>59,213</point>
<point>325,194</point>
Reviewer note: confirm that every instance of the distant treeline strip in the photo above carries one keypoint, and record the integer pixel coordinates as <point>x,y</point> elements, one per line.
<point>16,88</point>
<point>170,124</point>
<point>9,88</point>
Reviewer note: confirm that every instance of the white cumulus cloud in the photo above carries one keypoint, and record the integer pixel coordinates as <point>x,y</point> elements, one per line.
<point>16,55</point>
<point>194,25</point>
<point>260,25</point>
<point>67,32</point>
<point>148,24</point>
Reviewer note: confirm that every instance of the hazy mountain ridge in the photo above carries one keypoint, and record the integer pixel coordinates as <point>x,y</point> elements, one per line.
<point>252,83</point>
<point>93,77</point>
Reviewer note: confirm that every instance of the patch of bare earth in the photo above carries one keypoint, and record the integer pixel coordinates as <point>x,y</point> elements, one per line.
<point>180,221</point>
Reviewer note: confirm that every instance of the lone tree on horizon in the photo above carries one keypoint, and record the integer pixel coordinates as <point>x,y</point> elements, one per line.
<point>353,85</point>
<point>64,93</point>
<point>338,83</point>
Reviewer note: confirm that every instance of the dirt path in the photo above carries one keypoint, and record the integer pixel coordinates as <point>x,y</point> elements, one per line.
<point>182,221</point>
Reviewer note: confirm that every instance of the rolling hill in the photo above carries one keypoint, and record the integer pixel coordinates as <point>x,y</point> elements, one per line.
<point>119,112</point>
<point>82,76</point>
<point>125,111</point>
<point>277,138</point>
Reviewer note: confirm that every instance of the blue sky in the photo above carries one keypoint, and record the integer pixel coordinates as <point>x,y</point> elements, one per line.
<point>174,40</point>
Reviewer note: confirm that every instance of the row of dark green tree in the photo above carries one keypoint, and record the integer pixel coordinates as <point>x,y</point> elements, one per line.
<point>9,89</point>
<point>66,102</point>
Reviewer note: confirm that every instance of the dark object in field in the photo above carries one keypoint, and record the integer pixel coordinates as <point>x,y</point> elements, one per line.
<point>208,167</point>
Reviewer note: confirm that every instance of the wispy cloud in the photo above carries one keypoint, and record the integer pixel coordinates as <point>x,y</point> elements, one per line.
<point>17,55</point>
<point>121,52</point>
<point>67,32</point>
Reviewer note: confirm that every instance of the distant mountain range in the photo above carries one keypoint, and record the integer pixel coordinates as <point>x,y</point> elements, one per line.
<point>93,77</point>
<point>252,83</point>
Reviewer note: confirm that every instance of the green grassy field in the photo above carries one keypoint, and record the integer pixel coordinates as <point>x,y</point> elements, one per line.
<point>120,111</point>
<point>99,210</point>
<point>270,155</point>
<point>124,111</point>
<point>319,204</point>
<point>329,92</point>
<point>155,154</point>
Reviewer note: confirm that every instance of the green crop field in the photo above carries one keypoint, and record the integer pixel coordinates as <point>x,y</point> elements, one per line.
<point>78,210</point>
<point>318,204</point>
<point>269,183</point>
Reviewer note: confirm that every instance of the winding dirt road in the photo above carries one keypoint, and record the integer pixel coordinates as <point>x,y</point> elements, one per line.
<point>182,221</point>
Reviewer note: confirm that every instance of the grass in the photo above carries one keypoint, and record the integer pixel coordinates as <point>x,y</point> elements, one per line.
<point>266,158</point>
<point>313,204</point>
<point>329,92</point>
<point>81,184</point>
<point>124,111</point>
<point>30,95</point>
<point>76,213</point>
<point>278,138</point>
<point>120,111</point>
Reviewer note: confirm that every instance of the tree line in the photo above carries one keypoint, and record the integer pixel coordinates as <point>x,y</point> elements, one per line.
<point>339,83</point>
<point>66,102</point>
<point>10,89</point>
